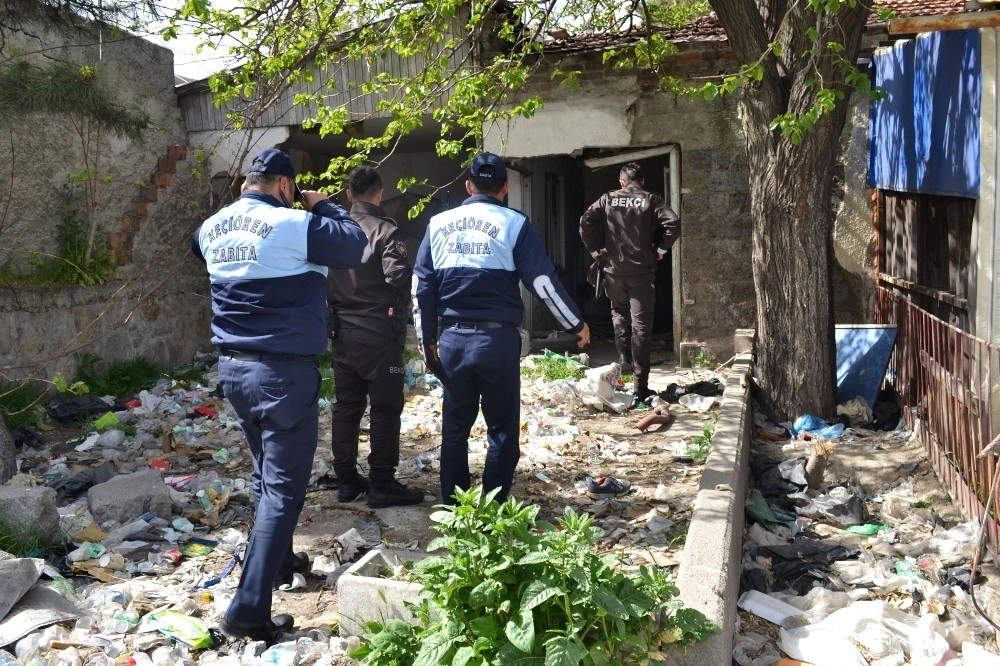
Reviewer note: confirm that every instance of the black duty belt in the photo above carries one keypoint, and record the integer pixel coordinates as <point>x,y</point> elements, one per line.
<point>482,325</point>
<point>258,357</point>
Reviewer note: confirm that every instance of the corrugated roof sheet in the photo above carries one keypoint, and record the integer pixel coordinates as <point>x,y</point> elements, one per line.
<point>708,28</point>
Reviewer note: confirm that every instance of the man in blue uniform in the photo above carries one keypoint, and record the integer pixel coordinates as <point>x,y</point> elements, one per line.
<point>370,307</point>
<point>267,265</point>
<point>467,273</point>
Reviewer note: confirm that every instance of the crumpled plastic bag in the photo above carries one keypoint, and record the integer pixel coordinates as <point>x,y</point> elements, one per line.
<point>857,410</point>
<point>184,628</point>
<point>840,506</point>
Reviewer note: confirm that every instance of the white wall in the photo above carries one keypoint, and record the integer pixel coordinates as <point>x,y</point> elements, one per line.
<point>985,314</point>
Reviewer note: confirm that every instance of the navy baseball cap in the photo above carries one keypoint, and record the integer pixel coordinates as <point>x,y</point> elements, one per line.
<point>272,160</point>
<point>488,166</point>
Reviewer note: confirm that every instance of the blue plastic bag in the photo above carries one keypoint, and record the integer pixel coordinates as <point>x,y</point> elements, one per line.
<point>807,423</point>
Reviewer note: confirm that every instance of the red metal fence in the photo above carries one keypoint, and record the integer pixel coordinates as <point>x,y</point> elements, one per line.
<point>945,381</point>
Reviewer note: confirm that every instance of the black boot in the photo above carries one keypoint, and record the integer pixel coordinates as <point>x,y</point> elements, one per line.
<point>625,360</point>
<point>642,394</point>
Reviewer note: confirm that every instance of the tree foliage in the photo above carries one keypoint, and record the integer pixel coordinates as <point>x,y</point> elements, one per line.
<point>796,69</point>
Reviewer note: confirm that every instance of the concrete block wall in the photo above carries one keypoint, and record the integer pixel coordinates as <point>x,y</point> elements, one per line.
<point>709,573</point>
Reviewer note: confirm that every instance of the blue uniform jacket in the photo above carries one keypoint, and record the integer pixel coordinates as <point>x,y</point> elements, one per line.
<point>268,265</point>
<point>469,265</point>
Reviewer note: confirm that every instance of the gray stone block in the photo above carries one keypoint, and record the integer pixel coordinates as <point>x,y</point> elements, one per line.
<point>127,496</point>
<point>366,594</point>
<point>30,512</point>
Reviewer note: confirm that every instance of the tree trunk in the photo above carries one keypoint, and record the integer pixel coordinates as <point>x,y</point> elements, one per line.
<point>792,225</point>
<point>790,190</point>
<point>7,466</point>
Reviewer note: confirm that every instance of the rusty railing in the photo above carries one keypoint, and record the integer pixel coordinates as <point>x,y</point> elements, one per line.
<point>944,379</point>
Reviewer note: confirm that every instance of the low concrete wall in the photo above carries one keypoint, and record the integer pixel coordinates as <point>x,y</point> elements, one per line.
<point>709,574</point>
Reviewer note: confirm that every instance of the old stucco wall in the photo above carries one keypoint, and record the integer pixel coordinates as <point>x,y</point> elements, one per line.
<point>155,306</point>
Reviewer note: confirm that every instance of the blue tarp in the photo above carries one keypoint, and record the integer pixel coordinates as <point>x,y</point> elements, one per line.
<point>862,357</point>
<point>925,132</point>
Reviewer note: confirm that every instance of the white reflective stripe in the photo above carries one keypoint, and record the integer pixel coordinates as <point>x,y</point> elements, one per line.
<point>564,316</point>
<point>366,254</point>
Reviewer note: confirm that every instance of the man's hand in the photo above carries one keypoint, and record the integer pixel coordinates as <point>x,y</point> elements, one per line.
<point>430,353</point>
<point>583,337</point>
<point>311,197</point>
<point>600,253</point>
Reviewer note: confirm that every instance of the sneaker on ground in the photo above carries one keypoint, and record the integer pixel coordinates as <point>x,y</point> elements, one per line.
<point>395,494</point>
<point>607,486</point>
<point>350,491</point>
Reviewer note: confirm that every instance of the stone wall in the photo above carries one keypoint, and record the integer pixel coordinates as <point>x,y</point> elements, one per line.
<point>152,198</point>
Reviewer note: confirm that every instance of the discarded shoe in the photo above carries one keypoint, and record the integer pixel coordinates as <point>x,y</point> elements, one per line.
<point>301,565</point>
<point>270,632</point>
<point>350,491</point>
<point>396,494</point>
<point>607,486</point>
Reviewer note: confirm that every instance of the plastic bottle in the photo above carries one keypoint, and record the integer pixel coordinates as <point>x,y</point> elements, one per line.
<point>204,500</point>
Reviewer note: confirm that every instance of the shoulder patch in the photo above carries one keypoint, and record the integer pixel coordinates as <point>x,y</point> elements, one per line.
<point>399,247</point>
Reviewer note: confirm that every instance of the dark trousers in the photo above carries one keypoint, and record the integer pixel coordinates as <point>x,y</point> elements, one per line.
<point>276,403</point>
<point>633,300</point>
<point>367,367</point>
<point>480,364</point>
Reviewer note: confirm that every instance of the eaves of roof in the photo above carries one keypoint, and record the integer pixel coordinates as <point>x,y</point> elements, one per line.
<point>708,29</point>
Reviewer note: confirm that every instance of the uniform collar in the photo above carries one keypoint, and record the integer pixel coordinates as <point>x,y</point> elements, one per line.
<point>263,197</point>
<point>483,198</point>
<point>366,208</point>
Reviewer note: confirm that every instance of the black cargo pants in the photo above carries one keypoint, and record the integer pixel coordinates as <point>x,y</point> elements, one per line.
<point>367,366</point>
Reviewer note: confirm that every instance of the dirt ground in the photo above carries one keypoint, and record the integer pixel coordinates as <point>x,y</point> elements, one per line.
<point>608,444</point>
<point>647,526</point>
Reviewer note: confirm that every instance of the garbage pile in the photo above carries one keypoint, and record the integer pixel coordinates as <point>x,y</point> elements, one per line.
<point>843,571</point>
<point>155,504</point>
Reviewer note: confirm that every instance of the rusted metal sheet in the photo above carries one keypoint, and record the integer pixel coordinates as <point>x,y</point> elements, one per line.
<point>914,24</point>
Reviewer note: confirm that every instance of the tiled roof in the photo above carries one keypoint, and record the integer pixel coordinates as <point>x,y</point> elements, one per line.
<point>708,28</point>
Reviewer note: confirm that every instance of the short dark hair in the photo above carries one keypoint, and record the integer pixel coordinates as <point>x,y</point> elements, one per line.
<point>364,181</point>
<point>257,179</point>
<point>631,173</point>
<point>487,186</point>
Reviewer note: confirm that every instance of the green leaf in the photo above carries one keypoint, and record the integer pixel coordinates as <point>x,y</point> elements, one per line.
<point>520,631</point>
<point>610,603</point>
<point>435,649</point>
<point>563,651</point>
<point>538,592</point>
<point>463,656</point>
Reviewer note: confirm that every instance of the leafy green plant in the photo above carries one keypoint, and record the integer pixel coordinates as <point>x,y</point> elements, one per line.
<point>513,589</point>
<point>701,443</point>
<point>327,389</point>
<point>71,265</point>
<point>22,404</point>
<point>701,360</point>
<point>552,367</point>
<point>120,378</point>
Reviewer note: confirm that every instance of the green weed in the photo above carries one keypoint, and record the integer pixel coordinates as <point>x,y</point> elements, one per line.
<point>514,589</point>
<point>22,404</point>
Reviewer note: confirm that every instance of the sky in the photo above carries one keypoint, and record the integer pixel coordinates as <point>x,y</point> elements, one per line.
<point>187,62</point>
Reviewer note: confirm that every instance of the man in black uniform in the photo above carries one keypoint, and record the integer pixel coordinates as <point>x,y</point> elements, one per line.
<point>369,308</point>
<point>621,227</point>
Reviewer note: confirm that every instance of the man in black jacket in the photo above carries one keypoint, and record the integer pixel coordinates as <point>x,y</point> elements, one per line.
<point>621,227</point>
<point>369,310</point>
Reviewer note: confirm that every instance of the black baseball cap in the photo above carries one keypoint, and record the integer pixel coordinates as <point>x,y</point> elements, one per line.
<point>488,166</point>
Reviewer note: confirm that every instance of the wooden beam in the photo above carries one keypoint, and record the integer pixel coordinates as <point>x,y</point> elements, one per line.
<point>964,21</point>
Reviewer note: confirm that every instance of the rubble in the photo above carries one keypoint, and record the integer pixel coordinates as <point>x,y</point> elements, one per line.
<point>154,500</point>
